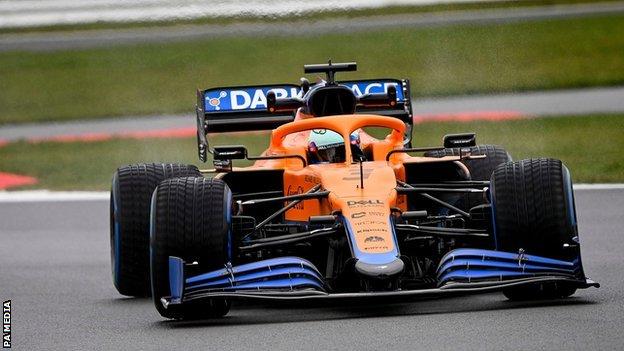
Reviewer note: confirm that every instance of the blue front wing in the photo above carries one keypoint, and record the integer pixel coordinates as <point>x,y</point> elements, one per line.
<point>461,271</point>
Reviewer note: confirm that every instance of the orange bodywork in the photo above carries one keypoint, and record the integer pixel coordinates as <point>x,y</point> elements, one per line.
<point>368,208</point>
<point>365,209</point>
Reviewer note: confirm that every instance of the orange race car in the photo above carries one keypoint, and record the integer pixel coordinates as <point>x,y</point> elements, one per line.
<point>339,206</point>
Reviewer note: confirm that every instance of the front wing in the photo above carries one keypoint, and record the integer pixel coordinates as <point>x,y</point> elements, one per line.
<point>460,272</point>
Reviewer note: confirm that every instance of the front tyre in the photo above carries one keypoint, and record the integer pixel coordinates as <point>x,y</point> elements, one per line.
<point>533,206</point>
<point>191,219</point>
<point>131,192</point>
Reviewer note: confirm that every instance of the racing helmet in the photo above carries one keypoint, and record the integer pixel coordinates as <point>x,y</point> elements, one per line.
<point>327,146</point>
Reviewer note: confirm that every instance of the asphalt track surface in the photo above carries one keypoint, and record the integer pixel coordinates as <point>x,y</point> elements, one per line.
<point>54,265</point>
<point>530,104</point>
<point>105,38</point>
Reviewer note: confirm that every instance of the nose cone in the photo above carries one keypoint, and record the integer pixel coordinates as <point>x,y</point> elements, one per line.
<point>380,270</point>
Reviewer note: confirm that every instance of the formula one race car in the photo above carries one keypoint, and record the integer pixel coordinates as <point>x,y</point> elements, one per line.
<point>339,206</point>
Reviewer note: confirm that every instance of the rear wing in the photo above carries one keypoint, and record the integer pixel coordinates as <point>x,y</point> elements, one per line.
<point>244,108</point>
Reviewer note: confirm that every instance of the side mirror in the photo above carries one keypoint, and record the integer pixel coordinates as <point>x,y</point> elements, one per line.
<point>275,105</point>
<point>233,152</point>
<point>460,140</point>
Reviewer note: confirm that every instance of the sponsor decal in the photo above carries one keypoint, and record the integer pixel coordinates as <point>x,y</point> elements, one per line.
<point>356,171</point>
<point>354,174</point>
<point>311,179</point>
<point>368,222</point>
<point>460,141</point>
<point>372,230</point>
<point>297,191</point>
<point>374,88</point>
<point>358,215</point>
<point>364,203</point>
<point>6,324</point>
<point>244,98</point>
<point>216,101</point>
<point>254,98</point>
<point>377,248</point>
<point>229,153</point>
<point>374,238</point>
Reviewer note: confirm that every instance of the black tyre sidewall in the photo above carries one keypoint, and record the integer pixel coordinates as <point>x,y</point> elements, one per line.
<point>480,168</point>
<point>551,244</point>
<point>166,239</point>
<point>506,239</point>
<point>129,231</point>
<point>115,235</point>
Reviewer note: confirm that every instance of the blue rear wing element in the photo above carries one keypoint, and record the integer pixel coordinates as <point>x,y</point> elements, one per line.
<point>253,98</point>
<point>245,99</point>
<point>244,108</point>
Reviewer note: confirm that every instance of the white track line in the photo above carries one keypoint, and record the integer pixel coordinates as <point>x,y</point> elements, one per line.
<point>60,196</point>
<point>605,186</point>
<point>52,196</point>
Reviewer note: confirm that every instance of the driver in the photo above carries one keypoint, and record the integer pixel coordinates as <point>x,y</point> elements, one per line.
<point>327,146</point>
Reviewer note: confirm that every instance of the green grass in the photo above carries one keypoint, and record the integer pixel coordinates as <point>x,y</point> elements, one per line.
<point>590,146</point>
<point>162,78</point>
<point>327,14</point>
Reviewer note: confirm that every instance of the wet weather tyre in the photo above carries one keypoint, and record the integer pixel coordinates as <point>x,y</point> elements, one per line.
<point>480,169</point>
<point>191,219</point>
<point>533,206</point>
<point>131,193</point>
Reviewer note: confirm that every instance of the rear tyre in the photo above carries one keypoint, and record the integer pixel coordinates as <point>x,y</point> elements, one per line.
<point>131,192</point>
<point>533,208</point>
<point>480,168</point>
<point>191,219</point>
